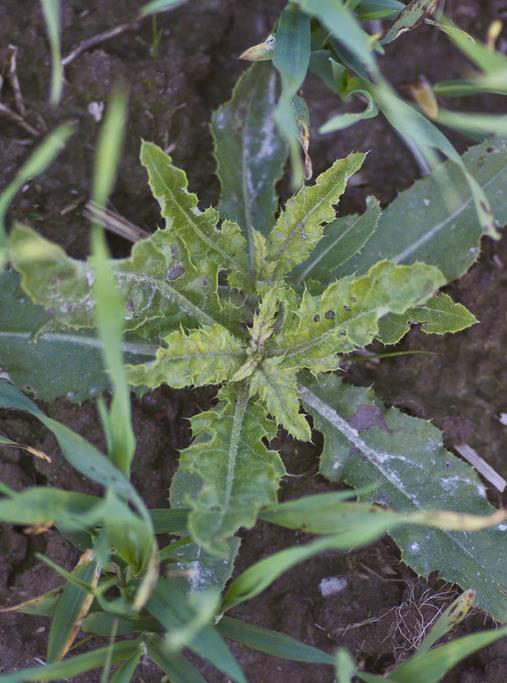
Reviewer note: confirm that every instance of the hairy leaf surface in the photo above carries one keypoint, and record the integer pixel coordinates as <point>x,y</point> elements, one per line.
<point>159,291</point>
<point>435,221</point>
<point>196,230</point>
<point>438,316</point>
<point>208,355</point>
<point>238,474</point>
<point>346,314</point>
<point>366,444</point>
<point>277,387</point>
<point>250,151</point>
<point>300,225</point>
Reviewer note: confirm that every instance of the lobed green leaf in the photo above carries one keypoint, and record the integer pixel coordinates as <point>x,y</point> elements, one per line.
<point>346,314</point>
<point>196,232</point>
<point>237,474</point>
<point>438,315</point>
<point>208,355</point>
<point>300,226</point>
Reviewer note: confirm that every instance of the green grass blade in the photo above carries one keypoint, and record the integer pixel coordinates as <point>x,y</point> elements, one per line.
<point>74,665</point>
<point>291,57</point>
<point>69,610</point>
<point>432,666</point>
<point>126,671</point>
<point>340,21</point>
<point>271,642</point>
<point>179,669</point>
<point>77,451</point>
<point>412,15</point>
<point>52,12</point>
<point>416,130</point>
<point>159,6</point>
<point>449,618</point>
<point>378,9</point>
<point>259,576</point>
<point>187,624</point>
<point>169,521</point>
<point>38,505</point>
<point>100,624</point>
<point>37,163</point>
<point>109,310</point>
<point>345,666</point>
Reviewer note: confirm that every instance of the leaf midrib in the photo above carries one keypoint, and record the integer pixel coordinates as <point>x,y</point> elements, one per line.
<point>429,234</point>
<point>202,236</point>
<point>352,435</point>
<point>171,294</point>
<point>134,348</point>
<point>205,354</point>
<point>232,453</point>
<point>290,237</point>
<point>317,258</point>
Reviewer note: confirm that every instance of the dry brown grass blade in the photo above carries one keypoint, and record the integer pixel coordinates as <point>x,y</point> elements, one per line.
<point>87,557</point>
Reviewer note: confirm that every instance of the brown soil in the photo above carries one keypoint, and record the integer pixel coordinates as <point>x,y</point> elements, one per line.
<point>383,607</point>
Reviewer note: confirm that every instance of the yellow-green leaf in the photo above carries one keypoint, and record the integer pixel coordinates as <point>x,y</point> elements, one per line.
<point>208,355</point>
<point>300,226</point>
<point>438,316</point>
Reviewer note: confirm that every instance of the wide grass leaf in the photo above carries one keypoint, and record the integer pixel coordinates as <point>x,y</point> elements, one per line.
<point>367,444</point>
<point>52,10</point>
<point>340,21</point>
<point>291,57</point>
<point>74,665</point>
<point>109,303</point>
<point>439,225</point>
<point>413,15</point>
<point>250,151</point>
<point>237,474</point>
<point>187,620</point>
<point>431,667</point>
<point>177,667</point>
<point>271,642</point>
<point>71,608</point>
<point>39,505</point>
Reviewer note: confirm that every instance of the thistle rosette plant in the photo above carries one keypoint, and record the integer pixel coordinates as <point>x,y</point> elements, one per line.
<point>266,304</point>
<point>237,323</point>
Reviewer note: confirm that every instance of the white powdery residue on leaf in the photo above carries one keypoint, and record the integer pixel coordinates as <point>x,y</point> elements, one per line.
<point>268,130</point>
